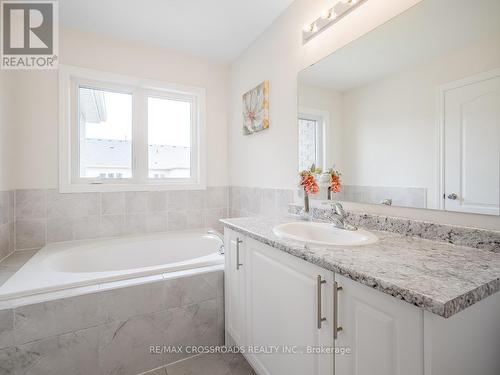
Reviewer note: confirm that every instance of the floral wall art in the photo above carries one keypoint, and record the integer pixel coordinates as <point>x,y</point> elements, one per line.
<point>256,109</point>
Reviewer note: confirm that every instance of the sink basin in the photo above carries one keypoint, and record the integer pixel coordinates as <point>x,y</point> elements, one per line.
<point>323,234</point>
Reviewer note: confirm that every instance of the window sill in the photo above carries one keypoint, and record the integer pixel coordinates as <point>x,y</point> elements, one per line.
<point>103,188</point>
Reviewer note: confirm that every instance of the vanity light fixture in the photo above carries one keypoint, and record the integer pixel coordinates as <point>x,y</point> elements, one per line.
<point>329,17</point>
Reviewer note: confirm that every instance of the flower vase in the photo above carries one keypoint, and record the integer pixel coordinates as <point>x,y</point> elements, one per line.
<point>304,214</point>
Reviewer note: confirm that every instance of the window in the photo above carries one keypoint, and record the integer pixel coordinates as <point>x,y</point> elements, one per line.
<point>122,133</point>
<point>169,138</point>
<point>105,133</point>
<point>311,140</point>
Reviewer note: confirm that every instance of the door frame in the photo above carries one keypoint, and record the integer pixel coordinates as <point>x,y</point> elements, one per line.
<point>440,106</point>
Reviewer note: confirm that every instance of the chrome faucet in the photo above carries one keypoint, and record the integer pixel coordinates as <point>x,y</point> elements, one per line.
<point>387,202</point>
<point>338,216</point>
<point>219,236</point>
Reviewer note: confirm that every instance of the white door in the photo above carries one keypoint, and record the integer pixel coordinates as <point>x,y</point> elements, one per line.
<point>384,335</point>
<point>234,285</point>
<point>284,311</point>
<point>472,145</point>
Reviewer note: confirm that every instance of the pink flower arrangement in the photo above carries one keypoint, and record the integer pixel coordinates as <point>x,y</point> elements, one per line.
<point>308,181</point>
<point>336,182</point>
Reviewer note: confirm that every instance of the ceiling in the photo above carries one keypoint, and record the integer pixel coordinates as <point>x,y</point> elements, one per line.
<point>431,29</point>
<point>219,30</point>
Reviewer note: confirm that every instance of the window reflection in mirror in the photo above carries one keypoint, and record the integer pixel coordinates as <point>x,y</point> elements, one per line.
<point>311,140</point>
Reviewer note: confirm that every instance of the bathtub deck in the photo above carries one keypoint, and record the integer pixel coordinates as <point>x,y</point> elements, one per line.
<point>11,264</point>
<point>85,263</point>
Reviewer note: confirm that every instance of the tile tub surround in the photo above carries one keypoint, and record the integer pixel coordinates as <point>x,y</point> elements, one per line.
<point>6,223</point>
<point>111,331</point>
<point>46,216</point>
<point>453,234</point>
<point>436,276</point>
<point>251,201</point>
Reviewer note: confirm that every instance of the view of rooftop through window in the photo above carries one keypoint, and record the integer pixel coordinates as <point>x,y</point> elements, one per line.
<point>169,138</point>
<point>105,134</point>
<point>106,131</point>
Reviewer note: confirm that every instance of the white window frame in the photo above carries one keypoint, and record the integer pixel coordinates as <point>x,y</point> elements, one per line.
<point>71,78</point>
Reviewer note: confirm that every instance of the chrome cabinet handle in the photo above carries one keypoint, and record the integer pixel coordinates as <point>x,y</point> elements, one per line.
<point>321,319</point>
<point>453,196</point>
<point>336,328</point>
<point>238,264</point>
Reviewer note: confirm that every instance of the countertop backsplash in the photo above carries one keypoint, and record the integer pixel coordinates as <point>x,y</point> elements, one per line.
<point>458,235</point>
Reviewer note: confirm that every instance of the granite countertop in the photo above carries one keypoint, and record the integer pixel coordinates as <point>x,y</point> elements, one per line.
<point>436,276</point>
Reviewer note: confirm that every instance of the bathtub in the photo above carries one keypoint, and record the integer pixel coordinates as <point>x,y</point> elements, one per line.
<point>65,265</point>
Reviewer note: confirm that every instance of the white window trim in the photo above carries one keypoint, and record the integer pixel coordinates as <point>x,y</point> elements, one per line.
<point>69,180</point>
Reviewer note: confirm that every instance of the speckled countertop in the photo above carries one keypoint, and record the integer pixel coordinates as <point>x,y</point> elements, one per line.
<point>439,277</point>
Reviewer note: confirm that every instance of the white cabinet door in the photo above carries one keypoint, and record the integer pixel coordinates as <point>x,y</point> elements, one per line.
<point>472,145</point>
<point>283,310</point>
<point>234,284</point>
<point>384,334</point>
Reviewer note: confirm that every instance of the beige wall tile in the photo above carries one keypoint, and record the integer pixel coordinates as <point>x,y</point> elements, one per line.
<point>30,234</point>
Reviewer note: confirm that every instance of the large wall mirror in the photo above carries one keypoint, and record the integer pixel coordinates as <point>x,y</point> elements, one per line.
<point>410,113</point>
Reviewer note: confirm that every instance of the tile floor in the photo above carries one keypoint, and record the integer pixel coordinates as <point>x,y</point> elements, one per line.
<point>207,364</point>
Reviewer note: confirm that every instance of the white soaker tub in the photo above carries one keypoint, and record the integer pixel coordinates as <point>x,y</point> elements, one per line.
<point>64,265</point>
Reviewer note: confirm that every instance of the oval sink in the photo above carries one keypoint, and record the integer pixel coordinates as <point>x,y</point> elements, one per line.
<point>323,234</point>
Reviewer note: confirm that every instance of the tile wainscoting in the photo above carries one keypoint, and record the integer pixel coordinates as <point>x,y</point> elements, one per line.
<point>400,196</point>
<point>45,216</point>
<point>111,331</point>
<point>6,224</point>
<point>252,201</point>
<point>33,218</point>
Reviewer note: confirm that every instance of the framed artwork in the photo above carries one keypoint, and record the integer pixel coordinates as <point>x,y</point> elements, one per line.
<point>256,109</point>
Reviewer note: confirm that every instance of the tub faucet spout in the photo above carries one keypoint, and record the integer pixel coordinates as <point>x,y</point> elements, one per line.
<point>218,235</point>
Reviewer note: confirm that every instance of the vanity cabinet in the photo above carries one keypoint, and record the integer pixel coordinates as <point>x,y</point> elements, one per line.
<point>288,306</point>
<point>275,300</point>
<point>385,334</point>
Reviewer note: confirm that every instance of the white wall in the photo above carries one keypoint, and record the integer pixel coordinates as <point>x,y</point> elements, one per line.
<point>328,101</point>
<point>269,158</point>
<point>6,131</point>
<point>37,100</point>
